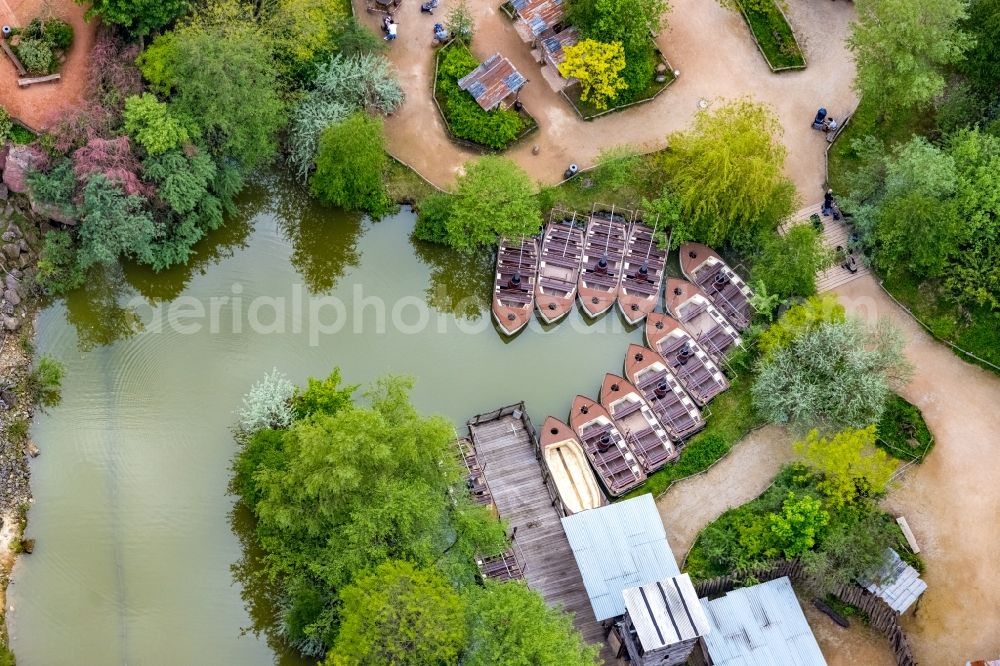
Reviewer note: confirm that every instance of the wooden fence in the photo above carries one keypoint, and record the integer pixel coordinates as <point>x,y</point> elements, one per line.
<point>880,615</point>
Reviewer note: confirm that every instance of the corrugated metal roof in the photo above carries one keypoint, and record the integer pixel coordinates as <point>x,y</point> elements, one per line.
<point>666,612</point>
<point>762,625</point>
<point>619,546</point>
<point>897,583</point>
<point>553,45</point>
<point>492,81</point>
<point>540,15</point>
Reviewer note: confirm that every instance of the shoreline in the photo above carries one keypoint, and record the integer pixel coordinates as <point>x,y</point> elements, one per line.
<point>18,257</point>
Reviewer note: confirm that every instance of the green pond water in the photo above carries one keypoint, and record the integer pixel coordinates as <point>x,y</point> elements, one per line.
<point>140,557</point>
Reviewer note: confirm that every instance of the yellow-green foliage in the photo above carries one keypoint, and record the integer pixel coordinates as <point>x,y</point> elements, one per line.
<point>597,66</point>
<point>807,316</point>
<point>851,465</point>
<point>306,29</point>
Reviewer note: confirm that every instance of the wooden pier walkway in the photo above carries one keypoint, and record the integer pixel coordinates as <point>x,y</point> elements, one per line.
<point>835,233</point>
<point>507,447</point>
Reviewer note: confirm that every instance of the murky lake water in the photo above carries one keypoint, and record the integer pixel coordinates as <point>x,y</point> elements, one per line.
<point>139,551</point>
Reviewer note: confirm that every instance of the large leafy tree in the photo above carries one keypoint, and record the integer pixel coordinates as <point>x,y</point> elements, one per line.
<point>597,66</point>
<point>217,69</point>
<point>799,525</point>
<point>349,487</point>
<point>836,375</point>
<point>628,22</point>
<point>901,48</point>
<point>137,17</point>
<point>727,174</point>
<point>493,198</point>
<point>850,464</point>
<point>350,166</point>
<point>982,61</point>
<point>399,615</point>
<point>799,320</point>
<point>512,625</point>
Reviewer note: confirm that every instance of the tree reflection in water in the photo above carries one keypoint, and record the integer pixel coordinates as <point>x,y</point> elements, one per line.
<point>324,240</point>
<point>97,312</point>
<point>460,284</point>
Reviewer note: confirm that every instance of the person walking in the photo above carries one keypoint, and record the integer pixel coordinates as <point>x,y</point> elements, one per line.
<point>827,203</point>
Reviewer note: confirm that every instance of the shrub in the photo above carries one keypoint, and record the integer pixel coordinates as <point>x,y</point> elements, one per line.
<point>6,125</point>
<point>460,24</point>
<point>788,264</point>
<point>17,433</point>
<point>42,386</point>
<point>149,123</point>
<point>640,68</point>
<point>798,320</point>
<point>35,55</point>
<point>58,33</point>
<point>902,431</point>
<point>466,119</point>
<point>701,453</point>
<point>849,463</point>
<point>432,218</point>
<point>267,405</point>
<point>56,186</point>
<point>113,159</point>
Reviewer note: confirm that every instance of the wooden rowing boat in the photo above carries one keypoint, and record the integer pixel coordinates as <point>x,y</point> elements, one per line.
<point>604,250</point>
<point>674,409</point>
<point>697,372</point>
<point>609,455</point>
<point>558,270</point>
<point>692,308</point>
<point>514,285</point>
<point>568,467</point>
<point>635,420</point>
<point>728,292</point>
<point>642,274</point>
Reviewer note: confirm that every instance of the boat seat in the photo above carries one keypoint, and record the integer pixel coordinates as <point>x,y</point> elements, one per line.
<point>624,409</point>
<point>644,288</point>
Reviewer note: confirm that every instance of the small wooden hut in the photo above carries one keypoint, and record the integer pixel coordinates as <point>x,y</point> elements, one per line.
<point>494,84</point>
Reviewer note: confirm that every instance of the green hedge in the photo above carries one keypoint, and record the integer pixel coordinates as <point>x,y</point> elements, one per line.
<point>773,33</point>
<point>467,120</point>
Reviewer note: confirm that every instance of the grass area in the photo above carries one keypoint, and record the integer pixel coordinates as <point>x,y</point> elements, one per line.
<point>405,185</point>
<point>902,432</point>
<point>732,417</point>
<point>773,34</point>
<point>645,179</point>
<point>893,130</point>
<point>21,135</point>
<point>976,330</point>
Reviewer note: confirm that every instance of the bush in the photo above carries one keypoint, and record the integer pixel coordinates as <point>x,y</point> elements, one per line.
<point>266,405</point>
<point>902,431</point>
<point>6,125</point>
<point>58,34</point>
<point>35,55</point>
<point>798,320</point>
<point>788,264</point>
<point>43,384</point>
<point>640,68</point>
<point>465,118</point>
<point>432,218</point>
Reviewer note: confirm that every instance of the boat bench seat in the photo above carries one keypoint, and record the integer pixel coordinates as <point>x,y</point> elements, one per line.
<point>642,287</point>
<point>624,409</point>
<point>563,262</point>
<point>516,297</point>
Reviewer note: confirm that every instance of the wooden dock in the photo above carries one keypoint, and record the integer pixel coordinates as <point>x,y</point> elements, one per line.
<point>507,446</point>
<point>835,233</point>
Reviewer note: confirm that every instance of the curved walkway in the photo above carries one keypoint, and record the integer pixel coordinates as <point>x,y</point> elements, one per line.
<point>711,47</point>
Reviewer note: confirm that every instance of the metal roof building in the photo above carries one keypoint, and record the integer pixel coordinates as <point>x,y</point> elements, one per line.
<point>539,15</point>
<point>666,612</point>
<point>492,82</point>
<point>897,583</point>
<point>761,625</point>
<point>619,546</point>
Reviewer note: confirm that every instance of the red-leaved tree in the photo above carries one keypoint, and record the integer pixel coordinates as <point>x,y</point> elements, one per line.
<point>114,159</point>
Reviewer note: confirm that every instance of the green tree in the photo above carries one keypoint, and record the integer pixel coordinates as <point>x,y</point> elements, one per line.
<point>305,31</point>
<point>836,375</point>
<point>399,615</point>
<point>799,525</point>
<point>149,123</point>
<point>628,22</point>
<point>113,225</point>
<point>221,80</point>
<point>511,624</point>
<point>851,465</point>
<point>798,320</point>
<point>460,23</point>
<point>982,61</point>
<point>351,164</point>
<point>901,48</point>
<point>323,396</point>
<point>853,547</point>
<point>788,263</point>
<point>727,173</point>
<point>493,198</point>
<point>597,66</point>
<point>137,17</point>
<point>59,268</point>
<point>353,487</point>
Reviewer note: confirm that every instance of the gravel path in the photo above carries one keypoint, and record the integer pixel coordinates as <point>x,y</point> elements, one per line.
<point>711,47</point>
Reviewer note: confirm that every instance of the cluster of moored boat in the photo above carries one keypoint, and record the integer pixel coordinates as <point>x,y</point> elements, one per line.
<point>615,258</point>
<point>642,417</point>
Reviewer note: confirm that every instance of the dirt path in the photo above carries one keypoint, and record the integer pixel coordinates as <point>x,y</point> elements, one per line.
<point>709,45</point>
<point>738,478</point>
<point>952,500</point>
<point>42,104</point>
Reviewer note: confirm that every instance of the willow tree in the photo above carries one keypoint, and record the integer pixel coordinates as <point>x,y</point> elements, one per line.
<point>727,174</point>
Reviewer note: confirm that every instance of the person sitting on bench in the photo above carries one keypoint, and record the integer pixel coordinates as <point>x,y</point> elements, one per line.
<point>830,125</point>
